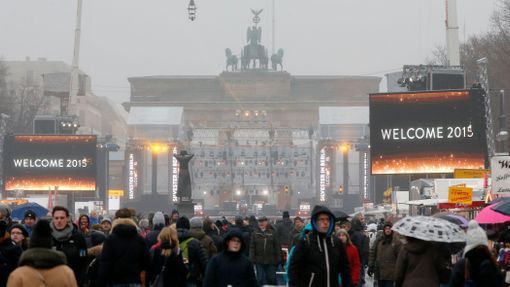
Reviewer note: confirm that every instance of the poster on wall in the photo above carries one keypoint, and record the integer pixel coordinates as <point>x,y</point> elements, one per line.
<point>427,132</point>
<point>39,163</point>
<point>500,168</point>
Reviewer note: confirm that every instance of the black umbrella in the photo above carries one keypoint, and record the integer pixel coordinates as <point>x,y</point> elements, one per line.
<point>497,200</point>
<point>340,215</point>
<point>503,207</point>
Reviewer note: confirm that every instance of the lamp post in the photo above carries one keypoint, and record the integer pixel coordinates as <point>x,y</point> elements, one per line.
<point>502,135</point>
<point>345,154</point>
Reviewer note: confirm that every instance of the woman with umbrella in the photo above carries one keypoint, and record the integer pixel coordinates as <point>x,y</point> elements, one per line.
<point>420,262</point>
<point>478,267</point>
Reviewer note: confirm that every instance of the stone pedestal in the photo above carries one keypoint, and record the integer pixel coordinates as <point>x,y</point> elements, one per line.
<point>186,208</point>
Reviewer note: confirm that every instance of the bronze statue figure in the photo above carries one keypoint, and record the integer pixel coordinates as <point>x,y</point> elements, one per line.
<point>184,183</point>
<point>231,60</point>
<point>277,59</point>
<point>254,50</point>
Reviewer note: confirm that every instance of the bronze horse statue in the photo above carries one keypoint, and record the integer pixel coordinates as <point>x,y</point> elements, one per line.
<point>277,59</point>
<point>231,60</point>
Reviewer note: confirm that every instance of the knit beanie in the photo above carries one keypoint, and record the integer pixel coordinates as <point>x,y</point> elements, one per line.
<point>41,235</point>
<point>158,219</point>
<point>182,223</point>
<point>196,222</point>
<point>475,236</point>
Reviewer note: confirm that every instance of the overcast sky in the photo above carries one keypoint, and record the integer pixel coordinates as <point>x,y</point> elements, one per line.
<point>126,38</point>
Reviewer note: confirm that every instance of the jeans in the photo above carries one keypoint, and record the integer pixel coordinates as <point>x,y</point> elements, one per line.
<point>385,283</point>
<point>266,274</point>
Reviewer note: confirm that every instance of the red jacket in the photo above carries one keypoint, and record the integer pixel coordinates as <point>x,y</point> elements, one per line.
<point>354,263</point>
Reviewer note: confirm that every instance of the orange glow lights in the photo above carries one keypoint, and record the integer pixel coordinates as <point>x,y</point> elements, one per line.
<point>426,163</point>
<point>42,184</point>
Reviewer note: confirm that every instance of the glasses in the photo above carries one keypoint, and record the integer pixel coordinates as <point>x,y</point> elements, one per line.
<point>16,233</point>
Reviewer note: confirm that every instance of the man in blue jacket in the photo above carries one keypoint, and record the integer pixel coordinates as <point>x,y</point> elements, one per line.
<point>319,258</point>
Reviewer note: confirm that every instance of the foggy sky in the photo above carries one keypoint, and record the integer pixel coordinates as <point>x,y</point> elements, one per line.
<point>124,38</point>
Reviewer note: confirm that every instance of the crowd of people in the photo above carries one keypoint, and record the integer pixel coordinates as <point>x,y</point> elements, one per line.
<point>172,250</point>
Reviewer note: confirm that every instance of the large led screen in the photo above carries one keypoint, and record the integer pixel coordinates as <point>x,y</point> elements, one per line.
<point>39,163</point>
<point>427,132</point>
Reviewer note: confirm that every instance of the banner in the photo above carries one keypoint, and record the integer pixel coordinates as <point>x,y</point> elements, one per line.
<point>500,166</point>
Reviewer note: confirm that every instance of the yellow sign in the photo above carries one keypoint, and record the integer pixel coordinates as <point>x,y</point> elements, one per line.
<point>471,173</point>
<point>115,193</point>
<point>460,195</point>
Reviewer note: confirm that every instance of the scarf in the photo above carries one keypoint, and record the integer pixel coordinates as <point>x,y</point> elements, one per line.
<point>62,235</point>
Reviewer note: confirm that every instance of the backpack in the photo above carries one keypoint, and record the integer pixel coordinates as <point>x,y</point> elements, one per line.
<point>184,247</point>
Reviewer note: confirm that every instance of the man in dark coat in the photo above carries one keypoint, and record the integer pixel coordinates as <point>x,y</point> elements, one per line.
<point>245,232</point>
<point>196,258</point>
<point>383,257</point>
<point>231,267</point>
<point>68,239</point>
<point>265,253</point>
<point>319,257</point>
<point>125,258</point>
<point>283,229</point>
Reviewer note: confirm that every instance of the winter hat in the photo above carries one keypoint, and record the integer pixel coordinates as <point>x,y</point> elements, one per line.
<point>285,214</point>
<point>97,237</point>
<point>143,223</point>
<point>158,219</point>
<point>182,223</point>
<point>387,223</point>
<point>20,227</point>
<point>41,235</point>
<point>175,211</point>
<point>106,219</point>
<point>30,214</point>
<point>196,222</point>
<point>475,236</point>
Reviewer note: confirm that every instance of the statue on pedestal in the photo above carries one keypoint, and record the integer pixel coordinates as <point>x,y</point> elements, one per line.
<point>184,183</point>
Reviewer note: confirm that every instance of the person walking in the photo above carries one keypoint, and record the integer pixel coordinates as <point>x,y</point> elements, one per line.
<point>231,267</point>
<point>125,259</point>
<point>319,258</point>
<point>362,243</point>
<point>9,252</point>
<point>158,222</point>
<point>478,267</point>
<point>19,235</point>
<point>40,265</point>
<point>352,255</point>
<point>294,233</point>
<point>283,229</point>
<point>68,239</point>
<point>193,254</point>
<point>167,262</point>
<point>419,263</point>
<point>212,231</point>
<point>383,257</point>
<point>29,220</point>
<point>196,225</point>
<point>265,253</point>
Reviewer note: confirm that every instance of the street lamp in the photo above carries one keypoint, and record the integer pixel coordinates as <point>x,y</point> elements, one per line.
<point>192,10</point>
<point>502,135</point>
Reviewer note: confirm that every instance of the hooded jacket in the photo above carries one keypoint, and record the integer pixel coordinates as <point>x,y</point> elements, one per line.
<point>417,265</point>
<point>206,241</point>
<point>319,259</point>
<point>197,258</point>
<point>360,240</point>
<point>230,268</point>
<point>124,254</point>
<point>42,267</point>
<point>9,256</point>
<point>383,256</point>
